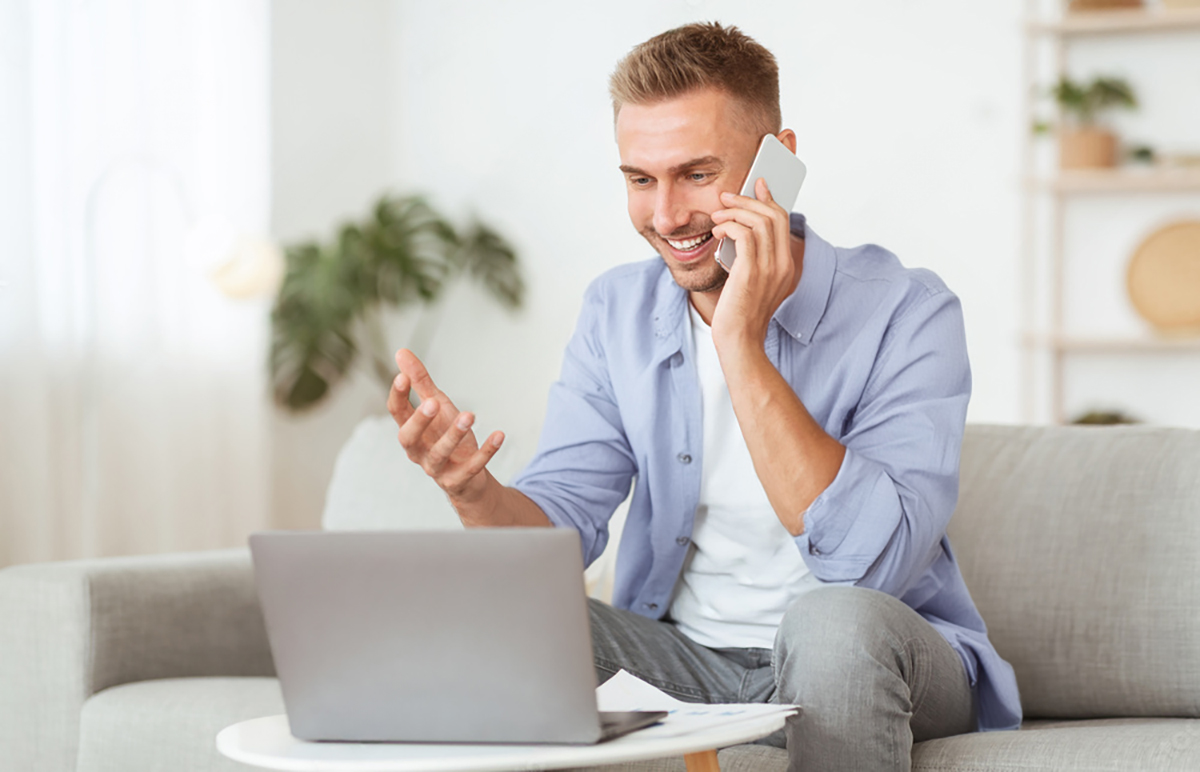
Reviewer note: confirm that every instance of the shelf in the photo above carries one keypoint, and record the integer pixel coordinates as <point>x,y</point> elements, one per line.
<point>1120,21</point>
<point>1146,344</point>
<point>1051,196</point>
<point>1122,181</point>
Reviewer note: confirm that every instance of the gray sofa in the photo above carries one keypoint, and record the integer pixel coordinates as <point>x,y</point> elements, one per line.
<point>1081,547</point>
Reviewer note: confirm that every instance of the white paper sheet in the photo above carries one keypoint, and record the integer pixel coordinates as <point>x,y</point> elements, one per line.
<point>625,691</point>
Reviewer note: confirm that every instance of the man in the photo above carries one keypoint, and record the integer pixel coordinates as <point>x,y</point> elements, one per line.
<point>793,427</point>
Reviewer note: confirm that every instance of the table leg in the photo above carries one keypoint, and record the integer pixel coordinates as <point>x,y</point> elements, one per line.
<point>704,761</point>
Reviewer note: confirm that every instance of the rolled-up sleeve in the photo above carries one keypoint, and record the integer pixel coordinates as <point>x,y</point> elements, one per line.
<point>584,466</point>
<point>880,523</point>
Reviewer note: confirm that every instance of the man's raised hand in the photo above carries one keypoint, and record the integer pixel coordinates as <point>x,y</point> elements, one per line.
<point>436,435</point>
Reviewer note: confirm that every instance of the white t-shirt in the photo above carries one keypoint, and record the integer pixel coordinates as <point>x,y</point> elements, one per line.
<point>743,567</point>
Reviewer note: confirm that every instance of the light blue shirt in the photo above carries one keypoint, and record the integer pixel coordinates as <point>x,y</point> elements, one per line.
<point>877,354</point>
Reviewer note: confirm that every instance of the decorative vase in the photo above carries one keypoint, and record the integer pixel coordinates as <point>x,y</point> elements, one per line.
<point>1087,148</point>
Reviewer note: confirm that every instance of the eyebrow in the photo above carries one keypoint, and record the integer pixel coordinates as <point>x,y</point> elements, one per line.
<point>708,160</point>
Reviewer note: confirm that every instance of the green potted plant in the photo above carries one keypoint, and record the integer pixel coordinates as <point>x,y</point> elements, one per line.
<point>1083,141</point>
<point>331,303</point>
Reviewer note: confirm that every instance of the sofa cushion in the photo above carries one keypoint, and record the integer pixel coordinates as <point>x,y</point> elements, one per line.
<point>1120,745</point>
<point>1079,546</point>
<point>170,725</point>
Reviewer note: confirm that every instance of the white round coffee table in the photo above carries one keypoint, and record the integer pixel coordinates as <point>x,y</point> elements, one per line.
<point>268,743</point>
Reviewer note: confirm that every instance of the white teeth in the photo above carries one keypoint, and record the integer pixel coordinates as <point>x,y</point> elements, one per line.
<point>687,244</point>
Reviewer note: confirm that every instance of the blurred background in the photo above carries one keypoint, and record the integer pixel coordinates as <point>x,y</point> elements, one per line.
<point>164,165</point>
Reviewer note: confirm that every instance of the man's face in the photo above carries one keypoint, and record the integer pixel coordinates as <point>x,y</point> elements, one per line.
<point>678,156</point>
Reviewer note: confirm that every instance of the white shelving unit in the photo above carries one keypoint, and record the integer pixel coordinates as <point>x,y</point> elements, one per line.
<point>1047,343</point>
<point>1120,181</point>
<point>1117,22</point>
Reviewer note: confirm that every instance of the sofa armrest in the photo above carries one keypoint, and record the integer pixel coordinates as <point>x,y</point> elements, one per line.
<point>71,629</point>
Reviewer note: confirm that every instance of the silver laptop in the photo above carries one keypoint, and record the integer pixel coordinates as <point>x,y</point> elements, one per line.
<point>433,636</point>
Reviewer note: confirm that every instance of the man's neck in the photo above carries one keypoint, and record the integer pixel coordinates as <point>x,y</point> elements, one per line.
<point>705,303</point>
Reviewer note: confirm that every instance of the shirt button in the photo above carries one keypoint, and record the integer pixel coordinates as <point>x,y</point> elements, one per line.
<point>652,606</point>
<point>682,540</point>
<point>684,458</point>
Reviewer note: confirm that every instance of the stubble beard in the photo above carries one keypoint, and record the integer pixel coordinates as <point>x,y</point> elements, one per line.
<point>704,275</point>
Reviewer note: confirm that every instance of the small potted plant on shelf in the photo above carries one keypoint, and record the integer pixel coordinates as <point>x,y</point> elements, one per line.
<point>1083,142</point>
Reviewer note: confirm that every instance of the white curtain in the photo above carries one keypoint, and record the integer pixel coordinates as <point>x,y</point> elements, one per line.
<point>134,149</point>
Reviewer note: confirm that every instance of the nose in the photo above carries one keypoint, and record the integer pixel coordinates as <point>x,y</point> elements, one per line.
<point>670,210</point>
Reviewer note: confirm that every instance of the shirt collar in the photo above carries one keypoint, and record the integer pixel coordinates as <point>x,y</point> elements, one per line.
<point>799,313</point>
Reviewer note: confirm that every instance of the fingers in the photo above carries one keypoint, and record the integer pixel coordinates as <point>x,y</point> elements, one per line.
<point>440,452</point>
<point>476,463</point>
<point>743,240</point>
<point>745,209</point>
<point>764,218</point>
<point>412,431</point>
<point>761,214</point>
<point>761,192</point>
<point>397,403</point>
<point>418,430</point>
<point>454,478</point>
<point>752,233</point>
<point>783,225</point>
<point>417,374</point>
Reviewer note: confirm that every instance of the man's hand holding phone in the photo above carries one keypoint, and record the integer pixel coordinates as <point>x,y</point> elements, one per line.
<point>436,435</point>
<point>765,272</point>
<point>756,245</point>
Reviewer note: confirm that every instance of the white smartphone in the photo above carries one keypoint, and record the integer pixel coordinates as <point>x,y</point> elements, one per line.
<point>784,174</point>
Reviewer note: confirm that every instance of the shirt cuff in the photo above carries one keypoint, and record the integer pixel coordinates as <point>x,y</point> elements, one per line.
<point>849,525</point>
<point>593,540</point>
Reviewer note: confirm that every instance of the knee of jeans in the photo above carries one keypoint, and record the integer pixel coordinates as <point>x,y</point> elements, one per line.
<point>833,622</point>
<point>602,619</point>
<point>596,614</point>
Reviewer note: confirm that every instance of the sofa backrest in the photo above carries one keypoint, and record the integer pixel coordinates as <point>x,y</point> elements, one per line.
<point>1081,548</point>
<point>376,487</point>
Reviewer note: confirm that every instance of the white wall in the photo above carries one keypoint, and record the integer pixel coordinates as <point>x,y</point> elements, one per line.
<point>332,139</point>
<point>909,117</point>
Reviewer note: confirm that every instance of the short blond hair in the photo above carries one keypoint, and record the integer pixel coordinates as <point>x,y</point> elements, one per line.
<point>699,56</point>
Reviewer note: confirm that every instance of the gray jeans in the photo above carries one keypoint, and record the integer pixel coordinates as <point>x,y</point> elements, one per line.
<point>872,676</point>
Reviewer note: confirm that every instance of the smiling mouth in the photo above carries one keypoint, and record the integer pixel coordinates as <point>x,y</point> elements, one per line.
<point>687,245</point>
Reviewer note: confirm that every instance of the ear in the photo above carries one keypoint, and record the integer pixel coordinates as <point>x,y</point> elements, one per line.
<point>788,138</point>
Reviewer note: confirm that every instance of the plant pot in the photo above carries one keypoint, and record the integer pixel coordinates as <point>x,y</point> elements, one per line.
<point>1101,5</point>
<point>1088,148</point>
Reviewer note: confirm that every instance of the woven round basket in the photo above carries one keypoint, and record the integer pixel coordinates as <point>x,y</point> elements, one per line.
<point>1164,278</point>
